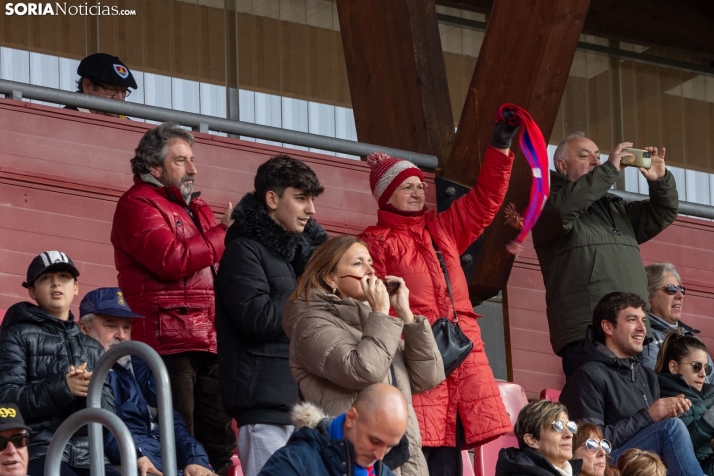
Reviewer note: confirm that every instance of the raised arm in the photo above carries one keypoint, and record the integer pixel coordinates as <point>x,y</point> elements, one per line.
<point>649,217</point>
<point>469,215</point>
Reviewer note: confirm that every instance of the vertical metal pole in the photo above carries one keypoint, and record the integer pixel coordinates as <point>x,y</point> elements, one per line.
<point>165,404</point>
<point>78,420</point>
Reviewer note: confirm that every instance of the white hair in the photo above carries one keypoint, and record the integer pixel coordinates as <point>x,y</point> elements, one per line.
<point>560,150</point>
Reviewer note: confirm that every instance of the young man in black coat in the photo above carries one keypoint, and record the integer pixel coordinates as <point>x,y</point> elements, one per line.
<point>266,249</point>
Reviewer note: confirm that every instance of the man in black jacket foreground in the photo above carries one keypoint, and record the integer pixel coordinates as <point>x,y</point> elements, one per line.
<point>46,363</point>
<point>611,388</point>
<point>266,249</point>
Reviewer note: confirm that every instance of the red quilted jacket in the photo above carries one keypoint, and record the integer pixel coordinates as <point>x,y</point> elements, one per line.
<point>402,246</point>
<point>164,264</point>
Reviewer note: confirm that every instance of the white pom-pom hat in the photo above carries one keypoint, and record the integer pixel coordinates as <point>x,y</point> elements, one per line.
<point>387,174</point>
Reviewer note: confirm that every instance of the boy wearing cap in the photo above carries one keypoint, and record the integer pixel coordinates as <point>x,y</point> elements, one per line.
<point>105,76</point>
<point>106,317</point>
<point>14,437</point>
<point>46,362</point>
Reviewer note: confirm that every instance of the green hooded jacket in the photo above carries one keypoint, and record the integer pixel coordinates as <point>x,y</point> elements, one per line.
<point>587,241</point>
<point>699,426</point>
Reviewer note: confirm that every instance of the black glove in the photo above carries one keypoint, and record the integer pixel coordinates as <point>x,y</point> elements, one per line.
<point>504,131</point>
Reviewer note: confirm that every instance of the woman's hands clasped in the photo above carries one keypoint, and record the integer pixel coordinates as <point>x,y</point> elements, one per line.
<point>379,299</point>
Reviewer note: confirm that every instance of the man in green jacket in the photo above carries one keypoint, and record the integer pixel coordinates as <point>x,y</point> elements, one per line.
<point>587,240</point>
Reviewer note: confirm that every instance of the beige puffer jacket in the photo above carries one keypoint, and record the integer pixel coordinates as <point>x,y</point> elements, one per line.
<point>340,346</point>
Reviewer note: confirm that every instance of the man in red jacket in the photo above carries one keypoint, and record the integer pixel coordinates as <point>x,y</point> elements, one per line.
<point>166,246</point>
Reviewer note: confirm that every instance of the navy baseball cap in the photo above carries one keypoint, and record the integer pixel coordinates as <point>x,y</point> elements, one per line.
<point>49,262</point>
<point>104,68</point>
<point>109,301</point>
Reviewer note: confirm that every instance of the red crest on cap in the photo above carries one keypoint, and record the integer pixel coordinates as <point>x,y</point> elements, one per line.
<point>121,71</point>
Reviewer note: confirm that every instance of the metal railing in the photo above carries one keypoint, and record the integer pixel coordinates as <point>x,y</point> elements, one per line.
<point>203,123</point>
<point>165,405</point>
<point>97,416</point>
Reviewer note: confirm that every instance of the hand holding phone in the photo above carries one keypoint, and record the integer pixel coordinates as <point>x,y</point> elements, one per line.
<point>640,158</point>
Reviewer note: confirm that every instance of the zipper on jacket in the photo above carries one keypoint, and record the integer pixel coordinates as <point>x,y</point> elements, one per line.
<point>615,230</point>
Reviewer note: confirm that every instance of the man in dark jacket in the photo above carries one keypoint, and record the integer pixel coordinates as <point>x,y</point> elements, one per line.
<point>106,317</point>
<point>166,246</point>
<point>353,443</point>
<point>610,387</point>
<point>46,362</point>
<point>266,250</point>
<point>587,240</point>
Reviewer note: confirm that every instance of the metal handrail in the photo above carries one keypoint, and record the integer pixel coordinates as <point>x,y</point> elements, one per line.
<point>165,406</point>
<point>203,123</point>
<point>685,208</point>
<point>98,416</point>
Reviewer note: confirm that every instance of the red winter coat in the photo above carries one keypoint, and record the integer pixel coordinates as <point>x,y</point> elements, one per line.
<point>401,246</point>
<point>164,266</point>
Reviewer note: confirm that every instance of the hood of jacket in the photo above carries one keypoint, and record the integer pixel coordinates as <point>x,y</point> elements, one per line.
<point>674,384</point>
<point>28,313</point>
<point>348,311</point>
<point>253,221</point>
<point>661,325</point>
<point>592,350</point>
<point>514,462</point>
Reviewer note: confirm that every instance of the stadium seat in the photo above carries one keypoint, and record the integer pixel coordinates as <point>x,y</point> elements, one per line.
<point>236,469</point>
<point>486,456</point>
<point>550,394</point>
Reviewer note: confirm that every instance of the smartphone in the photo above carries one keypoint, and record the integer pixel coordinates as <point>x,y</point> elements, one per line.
<point>640,158</point>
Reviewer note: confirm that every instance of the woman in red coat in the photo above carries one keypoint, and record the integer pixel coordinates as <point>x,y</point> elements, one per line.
<point>466,409</point>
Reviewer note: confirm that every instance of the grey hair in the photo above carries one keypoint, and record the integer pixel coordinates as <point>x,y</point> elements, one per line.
<point>534,417</point>
<point>152,151</point>
<point>87,318</point>
<point>560,150</point>
<point>656,272</point>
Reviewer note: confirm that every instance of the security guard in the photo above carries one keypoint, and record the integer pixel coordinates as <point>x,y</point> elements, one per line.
<point>105,76</point>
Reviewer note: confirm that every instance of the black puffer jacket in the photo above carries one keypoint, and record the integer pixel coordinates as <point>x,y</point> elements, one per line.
<point>255,278</point>
<point>37,350</point>
<point>613,393</point>
<point>528,462</point>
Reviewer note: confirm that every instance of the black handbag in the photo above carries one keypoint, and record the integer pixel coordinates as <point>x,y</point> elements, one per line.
<point>399,454</point>
<point>453,344</point>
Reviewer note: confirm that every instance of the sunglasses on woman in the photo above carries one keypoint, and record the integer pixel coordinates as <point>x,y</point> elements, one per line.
<point>18,440</point>
<point>672,289</point>
<point>559,426</point>
<point>592,445</point>
<point>697,367</point>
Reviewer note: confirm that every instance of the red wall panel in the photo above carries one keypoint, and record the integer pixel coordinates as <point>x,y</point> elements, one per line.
<point>61,173</point>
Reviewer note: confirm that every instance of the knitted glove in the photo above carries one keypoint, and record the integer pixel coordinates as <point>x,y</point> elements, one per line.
<point>504,131</point>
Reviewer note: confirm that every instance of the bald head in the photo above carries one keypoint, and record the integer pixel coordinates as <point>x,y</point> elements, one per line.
<point>376,422</point>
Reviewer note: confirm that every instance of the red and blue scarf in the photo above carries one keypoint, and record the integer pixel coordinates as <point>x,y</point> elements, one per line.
<point>534,148</point>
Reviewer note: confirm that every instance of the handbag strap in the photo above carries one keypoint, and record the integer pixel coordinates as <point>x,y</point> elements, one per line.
<point>440,257</point>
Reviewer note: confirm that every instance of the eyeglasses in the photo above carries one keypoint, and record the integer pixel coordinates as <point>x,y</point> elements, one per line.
<point>672,289</point>
<point>697,367</point>
<point>409,188</point>
<point>591,445</point>
<point>559,426</point>
<point>115,91</point>
<point>18,440</point>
